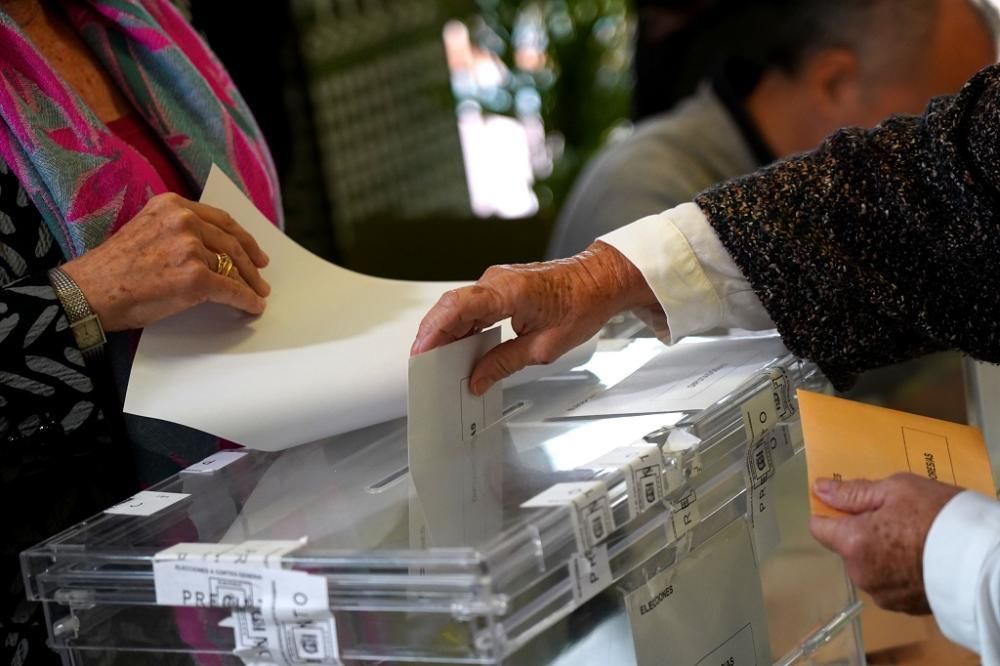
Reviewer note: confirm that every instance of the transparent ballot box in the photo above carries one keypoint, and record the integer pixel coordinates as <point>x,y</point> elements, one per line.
<point>666,538</point>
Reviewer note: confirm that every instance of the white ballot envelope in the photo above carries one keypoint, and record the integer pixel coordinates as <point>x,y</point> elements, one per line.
<point>455,446</point>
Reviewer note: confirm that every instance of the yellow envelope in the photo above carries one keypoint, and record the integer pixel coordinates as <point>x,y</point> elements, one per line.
<point>852,440</point>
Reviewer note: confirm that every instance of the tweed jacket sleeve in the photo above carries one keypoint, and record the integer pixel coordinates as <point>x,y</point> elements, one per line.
<point>882,244</point>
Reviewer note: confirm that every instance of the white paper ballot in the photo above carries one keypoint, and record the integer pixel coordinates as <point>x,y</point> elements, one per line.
<point>689,376</point>
<point>328,356</point>
<point>453,434</point>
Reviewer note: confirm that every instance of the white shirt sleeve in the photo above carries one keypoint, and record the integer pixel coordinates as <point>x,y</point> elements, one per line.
<point>690,272</point>
<point>962,573</point>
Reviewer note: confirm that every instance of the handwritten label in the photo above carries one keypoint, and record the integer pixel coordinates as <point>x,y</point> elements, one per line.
<point>146,503</point>
<point>214,462</point>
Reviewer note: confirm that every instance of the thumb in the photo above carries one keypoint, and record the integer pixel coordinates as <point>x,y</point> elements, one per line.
<point>855,496</point>
<point>835,534</point>
<point>500,362</point>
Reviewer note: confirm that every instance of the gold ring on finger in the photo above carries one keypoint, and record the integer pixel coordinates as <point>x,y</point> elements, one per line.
<point>224,264</point>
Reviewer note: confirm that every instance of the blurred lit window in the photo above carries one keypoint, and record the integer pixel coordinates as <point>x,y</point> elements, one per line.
<point>539,85</point>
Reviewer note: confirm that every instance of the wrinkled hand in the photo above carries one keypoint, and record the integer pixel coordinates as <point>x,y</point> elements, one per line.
<point>163,261</point>
<point>554,306</point>
<point>882,541</point>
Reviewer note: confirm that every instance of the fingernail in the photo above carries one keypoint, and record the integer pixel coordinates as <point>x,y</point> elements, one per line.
<point>825,486</point>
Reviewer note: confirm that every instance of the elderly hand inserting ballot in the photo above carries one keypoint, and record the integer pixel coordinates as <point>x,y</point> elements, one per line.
<point>553,306</point>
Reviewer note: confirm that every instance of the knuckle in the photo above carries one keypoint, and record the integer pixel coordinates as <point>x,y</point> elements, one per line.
<point>503,366</point>
<point>898,480</point>
<point>855,493</point>
<point>545,354</point>
<point>191,277</point>
<point>182,220</point>
<point>492,272</point>
<point>450,299</point>
<point>165,200</point>
<point>190,248</point>
<point>853,545</point>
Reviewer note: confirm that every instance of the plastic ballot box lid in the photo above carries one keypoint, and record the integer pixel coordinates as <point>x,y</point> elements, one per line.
<point>495,548</point>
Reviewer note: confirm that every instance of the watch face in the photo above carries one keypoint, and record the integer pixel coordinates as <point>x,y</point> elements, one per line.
<point>88,333</point>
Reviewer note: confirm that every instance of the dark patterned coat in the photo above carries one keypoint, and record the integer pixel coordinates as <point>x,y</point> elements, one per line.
<point>883,244</point>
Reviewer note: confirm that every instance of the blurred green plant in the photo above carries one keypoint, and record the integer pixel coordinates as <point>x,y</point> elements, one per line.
<point>567,61</point>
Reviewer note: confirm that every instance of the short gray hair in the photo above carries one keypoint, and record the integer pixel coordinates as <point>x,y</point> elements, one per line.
<point>808,26</point>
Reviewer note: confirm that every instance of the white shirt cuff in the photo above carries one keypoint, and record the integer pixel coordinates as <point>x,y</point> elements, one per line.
<point>961,539</point>
<point>690,272</point>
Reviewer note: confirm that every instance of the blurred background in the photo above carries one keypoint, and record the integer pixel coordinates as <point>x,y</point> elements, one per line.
<point>429,139</point>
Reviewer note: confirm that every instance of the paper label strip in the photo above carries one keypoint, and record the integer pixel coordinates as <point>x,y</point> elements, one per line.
<point>642,467</point>
<point>146,503</point>
<point>591,509</point>
<point>280,617</point>
<point>589,567</point>
<point>767,408</point>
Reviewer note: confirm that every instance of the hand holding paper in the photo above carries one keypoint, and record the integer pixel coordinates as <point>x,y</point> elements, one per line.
<point>850,440</point>
<point>554,307</point>
<point>328,356</point>
<point>879,525</point>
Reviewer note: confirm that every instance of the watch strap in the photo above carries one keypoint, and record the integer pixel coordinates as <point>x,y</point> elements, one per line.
<point>84,322</point>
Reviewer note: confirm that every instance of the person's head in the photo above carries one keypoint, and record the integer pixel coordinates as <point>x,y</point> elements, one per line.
<point>829,64</point>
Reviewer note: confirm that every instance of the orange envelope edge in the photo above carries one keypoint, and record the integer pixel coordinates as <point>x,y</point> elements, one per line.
<point>852,440</point>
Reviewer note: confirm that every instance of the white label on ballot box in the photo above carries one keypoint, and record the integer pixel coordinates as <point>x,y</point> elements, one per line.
<point>590,573</point>
<point>706,610</point>
<point>280,617</point>
<point>146,503</point>
<point>239,576</point>
<point>685,513</point>
<point>764,410</point>
<point>591,509</point>
<point>761,512</point>
<point>306,642</point>
<point>643,469</point>
<point>214,462</point>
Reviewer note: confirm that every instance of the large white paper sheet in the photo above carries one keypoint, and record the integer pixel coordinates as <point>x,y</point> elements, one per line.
<point>689,376</point>
<point>328,356</point>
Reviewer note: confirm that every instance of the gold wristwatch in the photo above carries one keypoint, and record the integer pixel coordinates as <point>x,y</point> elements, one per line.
<point>83,322</point>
